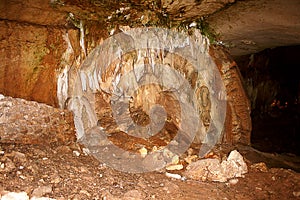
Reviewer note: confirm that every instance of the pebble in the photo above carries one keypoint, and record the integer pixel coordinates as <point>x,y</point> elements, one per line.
<point>260,167</point>
<point>143,151</point>
<point>296,194</point>
<point>76,153</point>
<point>176,176</point>
<point>174,167</point>
<point>86,151</point>
<point>233,181</point>
<point>42,198</point>
<point>41,191</point>
<point>15,196</point>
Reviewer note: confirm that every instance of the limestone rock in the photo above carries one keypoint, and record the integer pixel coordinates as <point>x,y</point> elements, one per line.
<point>212,170</point>
<point>29,122</point>
<point>41,191</point>
<point>134,195</point>
<point>15,196</point>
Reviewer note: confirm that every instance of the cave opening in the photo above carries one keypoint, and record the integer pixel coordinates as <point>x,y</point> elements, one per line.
<point>272,82</point>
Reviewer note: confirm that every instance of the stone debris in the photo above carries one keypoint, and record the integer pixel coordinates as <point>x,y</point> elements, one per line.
<point>190,158</point>
<point>15,196</point>
<point>262,167</point>
<point>174,167</point>
<point>143,151</point>
<point>76,153</point>
<point>212,170</point>
<point>176,176</point>
<point>41,191</point>
<point>29,122</point>
<point>233,181</point>
<point>5,195</point>
<point>296,194</point>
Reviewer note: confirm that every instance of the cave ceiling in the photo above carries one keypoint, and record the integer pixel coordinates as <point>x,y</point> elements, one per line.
<point>244,26</point>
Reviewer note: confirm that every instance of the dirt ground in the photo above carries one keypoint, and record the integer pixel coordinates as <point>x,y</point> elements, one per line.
<point>64,171</point>
<point>64,174</point>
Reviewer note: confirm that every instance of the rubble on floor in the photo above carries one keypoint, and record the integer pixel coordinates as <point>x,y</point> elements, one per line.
<point>211,169</point>
<point>29,122</point>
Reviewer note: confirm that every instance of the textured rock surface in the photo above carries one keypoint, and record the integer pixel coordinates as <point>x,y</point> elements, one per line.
<point>238,121</point>
<point>69,173</point>
<point>247,27</point>
<point>39,44</point>
<point>30,55</point>
<point>33,123</point>
<point>211,169</point>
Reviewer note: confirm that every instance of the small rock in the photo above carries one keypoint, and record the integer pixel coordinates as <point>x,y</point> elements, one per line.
<point>86,151</point>
<point>63,149</point>
<point>174,167</point>
<point>296,194</point>
<point>76,153</point>
<point>133,195</point>
<point>233,181</point>
<point>41,191</point>
<point>55,178</point>
<point>176,176</point>
<point>211,169</point>
<point>143,151</point>
<point>18,156</point>
<point>7,165</point>
<point>191,159</point>
<point>235,165</point>
<point>175,160</point>
<point>15,196</point>
<point>260,167</point>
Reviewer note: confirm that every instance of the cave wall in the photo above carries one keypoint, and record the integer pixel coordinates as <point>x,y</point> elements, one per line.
<point>33,55</point>
<point>238,123</point>
<point>41,45</point>
<point>30,55</point>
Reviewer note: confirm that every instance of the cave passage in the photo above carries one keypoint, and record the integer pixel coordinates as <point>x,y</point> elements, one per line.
<point>273,84</point>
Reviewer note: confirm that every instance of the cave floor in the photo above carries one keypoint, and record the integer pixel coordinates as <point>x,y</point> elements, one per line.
<point>68,175</point>
<point>63,170</point>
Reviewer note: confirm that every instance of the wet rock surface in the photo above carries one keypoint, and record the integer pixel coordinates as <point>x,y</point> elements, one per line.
<point>65,171</point>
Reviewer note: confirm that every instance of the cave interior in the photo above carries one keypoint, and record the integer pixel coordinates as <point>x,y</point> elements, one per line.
<point>269,70</point>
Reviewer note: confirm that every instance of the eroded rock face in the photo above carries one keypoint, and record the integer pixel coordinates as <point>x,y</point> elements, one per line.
<point>247,27</point>
<point>30,55</point>
<point>238,121</point>
<point>39,51</point>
